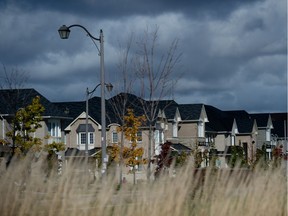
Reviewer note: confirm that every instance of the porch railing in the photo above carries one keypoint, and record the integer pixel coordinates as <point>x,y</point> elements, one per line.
<point>190,142</point>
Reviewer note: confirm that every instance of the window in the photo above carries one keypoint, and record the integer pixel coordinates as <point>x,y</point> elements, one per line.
<point>159,137</point>
<point>268,134</point>
<point>54,128</point>
<point>114,137</point>
<point>232,140</point>
<point>81,132</point>
<point>91,138</point>
<point>139,167</point>
<point>139,136</point>
<point>175,129</point>
<point>200,129</point>
<point>82,138</point>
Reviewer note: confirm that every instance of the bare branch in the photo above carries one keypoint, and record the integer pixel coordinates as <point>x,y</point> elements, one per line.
<point>13,78</point>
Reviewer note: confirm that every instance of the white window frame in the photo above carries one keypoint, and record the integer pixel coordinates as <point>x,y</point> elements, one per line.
<point>268,134</point>
<point>54,128</point>
<point>91,138</point>
<point>114,137</point>
<point>201,129</point>
<point>175,129</point>
<point>233,138</point>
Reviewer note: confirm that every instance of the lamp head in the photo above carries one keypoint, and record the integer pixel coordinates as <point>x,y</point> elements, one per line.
<point>64,32</point>
<point>109,87</point>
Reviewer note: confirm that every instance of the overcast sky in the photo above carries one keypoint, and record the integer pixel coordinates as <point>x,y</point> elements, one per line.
<point>234,53</point>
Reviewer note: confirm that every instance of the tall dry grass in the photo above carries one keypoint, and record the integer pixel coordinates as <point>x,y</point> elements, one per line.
<point>190,192</point>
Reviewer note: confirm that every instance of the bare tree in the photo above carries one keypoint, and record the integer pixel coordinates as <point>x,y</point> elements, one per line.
<point>119,103</point>
<point>149,73</point>
<point>13,78</point>
<point>12,82</point>
<point>156,77</point>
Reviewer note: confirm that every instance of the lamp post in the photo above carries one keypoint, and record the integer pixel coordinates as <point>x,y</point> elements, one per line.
<point>109,88</point>
<point>64,32</point>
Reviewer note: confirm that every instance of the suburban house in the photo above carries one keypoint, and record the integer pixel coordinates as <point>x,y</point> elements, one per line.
<point>186,126</point>
<point>53,117</point>
<point>272,131</point>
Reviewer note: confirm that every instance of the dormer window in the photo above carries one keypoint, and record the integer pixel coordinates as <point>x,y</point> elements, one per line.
<point>81,134</point>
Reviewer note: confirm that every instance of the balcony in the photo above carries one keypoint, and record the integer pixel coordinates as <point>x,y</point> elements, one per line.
<point>54,139</point>
<point>190,142</point>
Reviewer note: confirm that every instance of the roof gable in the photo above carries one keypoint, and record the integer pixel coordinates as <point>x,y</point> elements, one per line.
<point>190,112</point>
<point>81,116</point>
<point>243,120</point>
<point>263,119</point>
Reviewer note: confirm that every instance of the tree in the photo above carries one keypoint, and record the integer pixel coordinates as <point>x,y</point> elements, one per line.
<point>120,103</point>
<point>13,78</point>
<point>164,159</point>
<point>52,149</point>
<point>198,157</point>
<point>25,122</point>
<point>150,76</point>
<point>132,155</point>
<point>237,156</point>
<point>156,79</point>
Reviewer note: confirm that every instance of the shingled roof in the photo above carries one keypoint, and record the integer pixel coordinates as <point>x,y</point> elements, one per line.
<point>243,120</point>
<point>279,121</point>
<point>190,112</point>
<point>74,109</point>
<point>14,99</point>
<point>261,118</point>
<point>219,121</point>
<point>169,107</point>
<point>115,105</point>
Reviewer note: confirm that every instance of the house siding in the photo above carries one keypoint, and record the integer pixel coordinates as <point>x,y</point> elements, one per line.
<point>221,141</point>
<point>72,135</point>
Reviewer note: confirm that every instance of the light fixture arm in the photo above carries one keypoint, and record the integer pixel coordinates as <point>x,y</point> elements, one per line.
<point>108,86</point>
<point>89,34</point>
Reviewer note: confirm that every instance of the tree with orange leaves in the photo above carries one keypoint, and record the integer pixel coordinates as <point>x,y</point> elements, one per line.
<point>132,155</point>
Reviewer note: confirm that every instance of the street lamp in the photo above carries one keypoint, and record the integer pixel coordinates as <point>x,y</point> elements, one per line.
<point>109,88</point>
<point>64,32</point>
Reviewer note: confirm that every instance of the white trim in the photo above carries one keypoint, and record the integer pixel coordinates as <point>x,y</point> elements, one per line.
<point>82,116</point>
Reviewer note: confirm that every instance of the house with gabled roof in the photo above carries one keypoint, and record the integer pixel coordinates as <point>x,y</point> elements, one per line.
<point>265,126</point>
<point>272,131</point>
<point>279,131</point>
<point>231,128</point>
<point>190,125</point>
<point>191,128</point>
<point>75,128</point>
<point>53,118</point>
<point>246,135</point>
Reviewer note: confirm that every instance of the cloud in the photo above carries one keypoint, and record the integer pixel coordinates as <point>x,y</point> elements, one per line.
<point>229,48</point>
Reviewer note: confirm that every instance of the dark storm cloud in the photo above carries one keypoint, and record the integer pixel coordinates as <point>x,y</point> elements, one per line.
<point>234,53</point>
<point>112,8</point>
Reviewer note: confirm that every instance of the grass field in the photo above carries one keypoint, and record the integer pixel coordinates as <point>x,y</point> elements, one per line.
<point>190,192</point>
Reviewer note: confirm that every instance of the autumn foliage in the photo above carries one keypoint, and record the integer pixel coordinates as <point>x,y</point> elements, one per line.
<point>132,155</point>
